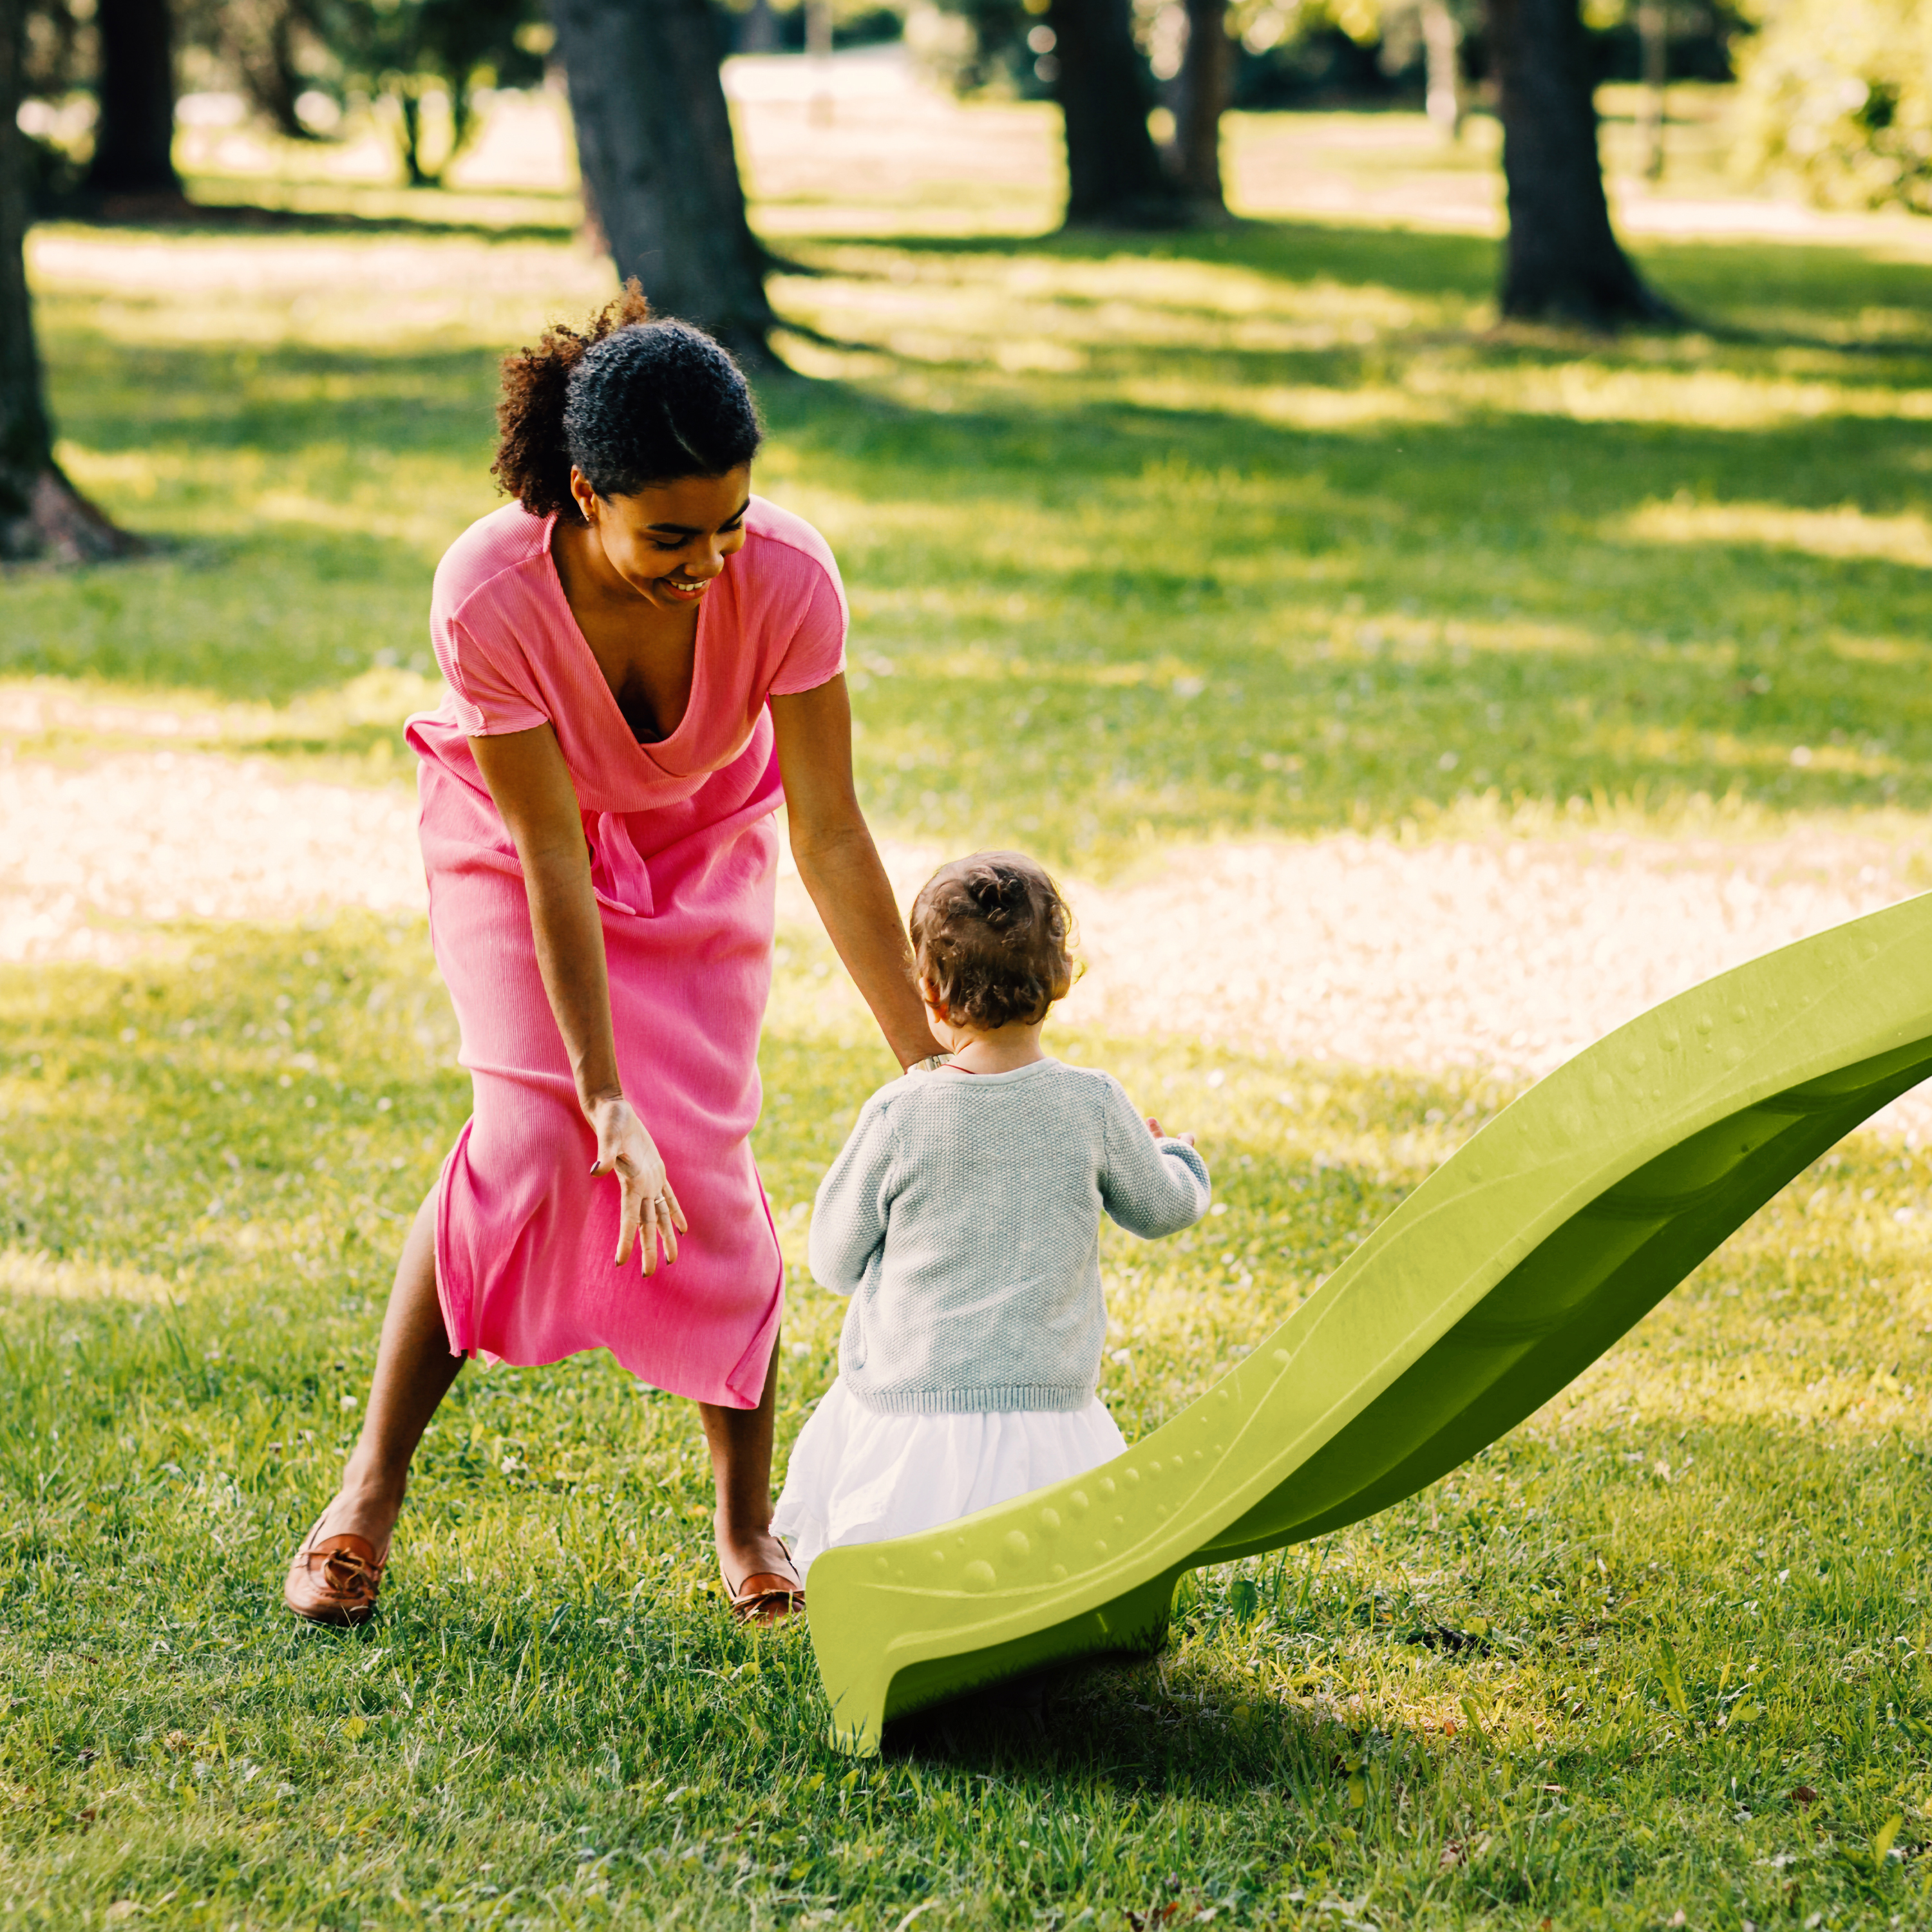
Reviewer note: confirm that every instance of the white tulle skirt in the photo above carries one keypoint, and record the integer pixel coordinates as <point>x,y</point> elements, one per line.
<point>858,1477</point>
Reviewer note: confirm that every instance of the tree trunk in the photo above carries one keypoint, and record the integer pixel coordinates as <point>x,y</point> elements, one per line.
<point>1115,178</point>
<point>261,42</point>
<point>654,142</point>
<point>1201,89</point>
<point>1562,263</point>
<point>1442,54</point>
<point>1653,32</point>
<point>133,148</point>
<point>40,512</point>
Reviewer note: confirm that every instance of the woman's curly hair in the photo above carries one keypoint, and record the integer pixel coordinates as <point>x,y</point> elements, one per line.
<point>991,936</point>
<point>628,401</point>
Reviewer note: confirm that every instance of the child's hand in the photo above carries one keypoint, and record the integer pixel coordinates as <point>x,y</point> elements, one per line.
<point>1160,1133</point>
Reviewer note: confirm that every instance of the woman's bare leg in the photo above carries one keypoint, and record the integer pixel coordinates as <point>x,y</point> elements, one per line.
<point>740,1441</point>
<point>414,1369</point>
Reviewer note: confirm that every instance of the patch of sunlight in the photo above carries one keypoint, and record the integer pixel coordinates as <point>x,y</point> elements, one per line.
<point>1804,1381</point>
<point>1121,285</point>
<point>30,1271</point>
<point>233,493</point>
<point>1302,405</point>
<point>1845,531</point>
<point>462,291</point>
<point>1713,398</point>
<point>53,708</point>
<point>428,533</point>
<point>1019,355</point>
<point>1664,745</point>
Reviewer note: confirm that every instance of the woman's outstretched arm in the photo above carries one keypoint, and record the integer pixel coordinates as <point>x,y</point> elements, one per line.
<point>527,777</point>
<point>840,864</point>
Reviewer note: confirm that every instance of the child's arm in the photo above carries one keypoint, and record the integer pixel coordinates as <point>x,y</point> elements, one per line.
<point>1151,1187</point>
<point>848,1219</point>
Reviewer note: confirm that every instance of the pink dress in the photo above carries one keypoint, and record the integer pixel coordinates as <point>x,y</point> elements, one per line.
<point>684,850</point>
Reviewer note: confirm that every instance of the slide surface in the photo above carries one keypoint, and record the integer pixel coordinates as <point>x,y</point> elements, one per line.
<point>1505,1275</point>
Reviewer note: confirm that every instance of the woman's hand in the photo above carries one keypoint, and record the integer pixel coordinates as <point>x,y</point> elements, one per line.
<point>1160,1133</point>
<point>647,1204</point>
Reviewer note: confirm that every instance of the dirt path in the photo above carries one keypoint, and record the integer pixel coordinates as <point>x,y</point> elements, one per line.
<point>1504,954</point>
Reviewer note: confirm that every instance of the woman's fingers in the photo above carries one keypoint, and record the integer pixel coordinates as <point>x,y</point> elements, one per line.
<point>647,1232</point>
<point>648,1210</point>
<point>630,1207</point>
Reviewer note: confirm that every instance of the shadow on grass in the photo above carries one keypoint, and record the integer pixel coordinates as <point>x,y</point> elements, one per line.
<point>1722,281</point>
<point>1048,531</point>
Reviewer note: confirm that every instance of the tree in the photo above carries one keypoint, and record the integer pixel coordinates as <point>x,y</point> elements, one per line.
<point>1115,175</point>
<point>1202,87</point>
<point>1838,97</point>
<point>654,142</point>
<point>1562,262</point>
<point>133,148</point>
<point>407,49</point>
<point>261,41</point>
<point>41,511</point>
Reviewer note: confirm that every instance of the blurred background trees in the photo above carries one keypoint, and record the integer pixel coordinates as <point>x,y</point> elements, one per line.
<point>41,513</point>
<point>1836,100</point>
<point>403,52</point>
<point>1836,96</point>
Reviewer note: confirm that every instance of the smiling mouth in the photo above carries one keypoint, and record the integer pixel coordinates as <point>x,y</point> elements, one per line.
<point>678,587</point>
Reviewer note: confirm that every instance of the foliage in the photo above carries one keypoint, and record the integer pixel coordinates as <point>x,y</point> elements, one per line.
<point>404,50</point>
<point>1665,1648</point>
<point>1839,96</point>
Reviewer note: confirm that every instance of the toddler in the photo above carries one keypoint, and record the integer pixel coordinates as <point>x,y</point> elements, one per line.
<point>963,1218</point>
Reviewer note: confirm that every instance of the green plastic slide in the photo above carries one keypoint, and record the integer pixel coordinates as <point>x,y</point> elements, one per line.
<point>1503,1276</point>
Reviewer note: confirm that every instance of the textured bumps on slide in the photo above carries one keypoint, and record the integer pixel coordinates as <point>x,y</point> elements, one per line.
<point>1503,1276</point>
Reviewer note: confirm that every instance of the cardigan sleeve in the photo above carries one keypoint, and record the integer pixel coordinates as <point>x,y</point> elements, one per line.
<point>1151,1187</point>
<point>848,1218</point>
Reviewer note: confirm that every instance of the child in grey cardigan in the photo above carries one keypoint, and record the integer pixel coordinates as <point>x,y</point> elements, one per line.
<point>963,1218</point>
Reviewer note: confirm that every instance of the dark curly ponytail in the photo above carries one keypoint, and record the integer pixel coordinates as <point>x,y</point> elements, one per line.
<point>990,934</point>
<point>628,401</point>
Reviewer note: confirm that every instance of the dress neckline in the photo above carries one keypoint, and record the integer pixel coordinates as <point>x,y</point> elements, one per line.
<point>650,747</point>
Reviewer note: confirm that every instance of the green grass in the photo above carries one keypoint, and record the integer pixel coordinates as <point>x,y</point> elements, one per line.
<point>1259,533</point>
<point>1265,532</point>
<point>1578,1681</point>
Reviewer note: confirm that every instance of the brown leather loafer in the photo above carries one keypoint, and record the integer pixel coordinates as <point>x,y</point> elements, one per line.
<point>334,1579</point>
<point>766,1597</point>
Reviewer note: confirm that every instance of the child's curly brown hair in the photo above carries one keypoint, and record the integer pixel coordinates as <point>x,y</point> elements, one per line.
<point>629,399</point>
<point>991,936</point>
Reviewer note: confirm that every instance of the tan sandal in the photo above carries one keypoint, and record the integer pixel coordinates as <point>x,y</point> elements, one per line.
<point>765,1598</point>
<point>334,1579</point>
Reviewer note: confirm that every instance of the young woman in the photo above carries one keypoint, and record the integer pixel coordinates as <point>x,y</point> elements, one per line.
<point>643,659</point>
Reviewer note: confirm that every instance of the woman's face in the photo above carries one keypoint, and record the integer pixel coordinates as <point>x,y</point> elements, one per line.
<point>669,542</point>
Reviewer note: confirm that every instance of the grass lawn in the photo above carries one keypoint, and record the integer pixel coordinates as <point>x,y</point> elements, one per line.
<point>1267,532</point>
<point>1596,1677</point>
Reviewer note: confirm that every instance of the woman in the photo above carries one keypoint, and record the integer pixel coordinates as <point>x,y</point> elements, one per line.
<point>643,658</point>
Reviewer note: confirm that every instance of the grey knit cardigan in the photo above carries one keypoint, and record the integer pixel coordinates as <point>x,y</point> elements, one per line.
<point>963,1218</point>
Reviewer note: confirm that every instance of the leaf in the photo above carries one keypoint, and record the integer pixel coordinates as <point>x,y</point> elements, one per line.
<point>354,1727</point>
<point>1244,1599</point>
<point>1887,1832</point>
<point>1671,1679</point>
<point>1358,1793</point>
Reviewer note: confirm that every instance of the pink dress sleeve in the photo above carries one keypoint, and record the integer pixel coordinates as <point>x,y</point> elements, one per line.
<point>492,689</point>
<point>815,653</point>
